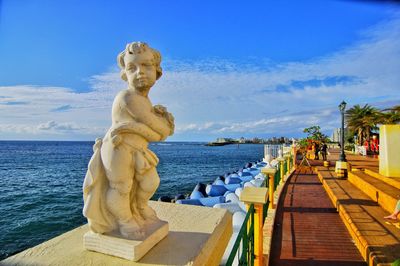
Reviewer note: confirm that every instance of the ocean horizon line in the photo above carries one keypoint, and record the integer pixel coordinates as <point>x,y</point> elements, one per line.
<point>50,140</point>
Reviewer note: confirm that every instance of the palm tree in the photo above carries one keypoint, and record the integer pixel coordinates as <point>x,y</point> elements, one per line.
<point>362,120</point>
<point>391,115</point>
<point>396,108</point>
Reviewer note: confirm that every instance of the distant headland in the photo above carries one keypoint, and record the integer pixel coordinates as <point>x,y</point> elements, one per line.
<point>242,140</point>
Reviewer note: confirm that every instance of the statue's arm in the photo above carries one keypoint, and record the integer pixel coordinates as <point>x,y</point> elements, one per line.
<point>148,117</point>
<point>137,128</point>
<point>160,124</point>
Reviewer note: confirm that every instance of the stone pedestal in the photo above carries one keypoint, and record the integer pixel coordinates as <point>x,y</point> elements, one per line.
<point>197,236</point>
<point>117,246</point>
<point>389,150</point>
<point>341,169</point>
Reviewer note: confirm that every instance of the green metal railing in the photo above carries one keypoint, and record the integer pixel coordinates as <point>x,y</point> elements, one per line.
<point>277,177</point>
<point>285,167</point>
<point>246,238</point>
<point>243,247</point>
<point>265,210</point>
<point>291,161</point>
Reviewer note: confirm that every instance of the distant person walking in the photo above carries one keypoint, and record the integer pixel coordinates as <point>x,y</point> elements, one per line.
<point>316,151</point>
<point>366,145</point>
<point>374,145</point>
<point>324,151</point>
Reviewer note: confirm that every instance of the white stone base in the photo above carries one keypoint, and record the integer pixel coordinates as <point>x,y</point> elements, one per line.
<point>197,236</point>
<point>340,166</point>
<point>128,249</point>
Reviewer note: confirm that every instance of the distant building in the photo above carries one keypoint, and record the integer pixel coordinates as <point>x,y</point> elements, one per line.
<point>336,135</point>
<point>256,140</point>
<point>242,140</point>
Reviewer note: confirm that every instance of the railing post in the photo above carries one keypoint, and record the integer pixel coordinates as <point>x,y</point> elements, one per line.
<point>271,190</point>
<point>294,157</point>
<point>287,157</point>
<point>281,161</point>
<point>257,196</point>
<point>270,173</point>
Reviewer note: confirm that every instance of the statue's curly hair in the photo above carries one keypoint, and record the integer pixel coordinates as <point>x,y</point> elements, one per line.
<point>137,48</point>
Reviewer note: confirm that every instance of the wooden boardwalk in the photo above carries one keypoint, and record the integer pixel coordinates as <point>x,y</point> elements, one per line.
<point>308,229</point>
<point>339,221</point>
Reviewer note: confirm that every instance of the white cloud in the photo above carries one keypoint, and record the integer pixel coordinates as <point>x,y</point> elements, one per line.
<point>87,115</point>
<point>275,125</point>
<point>53,125</point>
<point>17,129</point>
<point>220,98</point>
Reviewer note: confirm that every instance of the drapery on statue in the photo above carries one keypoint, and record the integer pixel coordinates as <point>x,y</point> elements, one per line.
<point>122,175</point>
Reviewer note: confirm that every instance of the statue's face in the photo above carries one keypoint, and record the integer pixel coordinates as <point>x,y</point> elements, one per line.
<point>140,70</point>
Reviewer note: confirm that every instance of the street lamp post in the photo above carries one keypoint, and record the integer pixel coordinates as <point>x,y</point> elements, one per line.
<point>341,165</point>
<point>342,157</point>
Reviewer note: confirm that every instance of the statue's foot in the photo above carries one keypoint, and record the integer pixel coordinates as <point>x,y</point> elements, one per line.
<point>149,214</point>
<point>131,229</point>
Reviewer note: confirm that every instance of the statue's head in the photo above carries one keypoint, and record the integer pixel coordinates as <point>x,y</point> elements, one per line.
<point>136,57</point>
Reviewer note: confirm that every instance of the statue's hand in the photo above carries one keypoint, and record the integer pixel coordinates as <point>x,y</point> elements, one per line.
<point>159,109</point>
<point>171,121</point>
<point>162,111</point>
<point>114,134</point>
<point>97,144</point>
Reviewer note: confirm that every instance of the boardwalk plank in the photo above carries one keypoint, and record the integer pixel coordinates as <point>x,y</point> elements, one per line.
<point>308,229</point>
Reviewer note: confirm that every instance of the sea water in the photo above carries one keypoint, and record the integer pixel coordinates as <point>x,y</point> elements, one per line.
<point>41,182</point>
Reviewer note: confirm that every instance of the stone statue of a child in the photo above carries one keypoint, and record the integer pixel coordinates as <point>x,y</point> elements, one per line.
<point>122,175</point>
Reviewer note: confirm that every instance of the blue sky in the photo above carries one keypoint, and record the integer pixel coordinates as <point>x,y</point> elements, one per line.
<point>231,68</point>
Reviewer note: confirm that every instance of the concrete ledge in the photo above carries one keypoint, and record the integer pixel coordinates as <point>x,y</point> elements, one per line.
<point>393,181</point>
<point>377,241</point>
<point>384,194</point>
<point>197,236</point>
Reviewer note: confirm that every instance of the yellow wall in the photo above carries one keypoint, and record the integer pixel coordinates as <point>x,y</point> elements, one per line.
<point>389,150</point>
